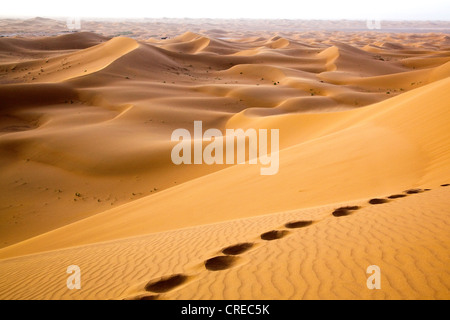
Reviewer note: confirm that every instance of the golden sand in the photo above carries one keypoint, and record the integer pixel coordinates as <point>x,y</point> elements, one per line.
<point>87,178</point>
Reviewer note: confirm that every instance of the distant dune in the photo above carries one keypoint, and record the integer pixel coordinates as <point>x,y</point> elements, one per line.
<point>86,176</point>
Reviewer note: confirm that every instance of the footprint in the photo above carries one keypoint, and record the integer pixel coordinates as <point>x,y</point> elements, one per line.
<point>413,191</point>
<point>144,297</point>
<point>220,263</point>
<point>344,211</point>
<point>237,249</point>
<point>396,196</point>
<point>378,201</point>
<point>445,185</point>
<point>166,284</point>
<point>148,297</point>
<point>274,235</point>
<point>298,224</point>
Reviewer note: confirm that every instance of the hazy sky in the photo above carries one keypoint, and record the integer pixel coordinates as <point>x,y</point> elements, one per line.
<point>274,9</point>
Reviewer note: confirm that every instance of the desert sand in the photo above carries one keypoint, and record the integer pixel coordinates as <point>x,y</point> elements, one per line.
<point>87,178</point>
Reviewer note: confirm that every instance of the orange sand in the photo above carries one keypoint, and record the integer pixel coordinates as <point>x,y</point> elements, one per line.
<point>87,178</point>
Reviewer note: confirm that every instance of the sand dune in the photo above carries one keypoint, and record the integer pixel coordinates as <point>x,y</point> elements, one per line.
<point>316,255</point>
<point>187,43</point>
<point>87,178</point>
<point>72,65</point>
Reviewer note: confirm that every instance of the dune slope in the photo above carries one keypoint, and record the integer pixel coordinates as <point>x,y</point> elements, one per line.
<point>316,256</point>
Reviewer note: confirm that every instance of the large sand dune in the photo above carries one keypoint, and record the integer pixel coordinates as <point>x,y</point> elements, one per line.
<point>87,179</point>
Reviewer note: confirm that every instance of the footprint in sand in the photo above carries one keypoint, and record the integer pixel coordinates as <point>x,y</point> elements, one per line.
<point>166,284</point>
<point>220,263</point>
<point>237,249</point>
<point>298,224</point>
<point>378,201</point>
<point>345,211</point>
<point>397,196</point>
<point>144,297</point>
<point>445,185</point>
<point>414,191</point>
<point>274,235</point>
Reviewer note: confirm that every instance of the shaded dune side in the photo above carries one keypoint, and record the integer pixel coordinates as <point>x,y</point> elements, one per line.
<point>20,95</point>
